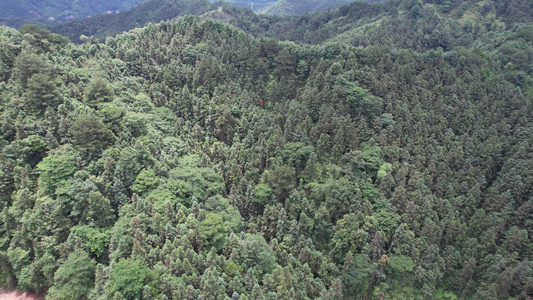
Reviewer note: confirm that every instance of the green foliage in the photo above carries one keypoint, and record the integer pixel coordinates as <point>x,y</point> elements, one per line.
<point>42,38</point>
<point>74,279</point>
<point>198,182</point>
<point>111,115</point>
<point>260,254</point>
<point>213,230</point>
<point>121,240</point>
<point>195,159</point>
<point>358,274</point>
<point>225,126</point>
<point>230,215</point>
<point>95,239</point>
<point>126,169</point>
<point>297,154</point>
<point>400,263</point>
<point>262,194</point>
<point>127,277</point>
<point>18,258</point>
<point>221,219</point>
<point>388,221</point>
<point>97,92</point>
<point>232,269</point>
<point>351,235</point>
<point>32,149</point>
<point>42,92</point>
<point>27,65</point>
<point>361,102</point>
<point>90,134</point>
<point>281,180</point>
<point>373,158</point>
<point>37,276</point>
<point>384,170</point>
<point>173,192</point>
<point>145,182</point>
<point>56,168</point>
<point>443,294</point>
<point>99,212</point>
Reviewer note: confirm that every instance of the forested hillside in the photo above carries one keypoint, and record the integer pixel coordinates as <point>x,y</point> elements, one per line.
<point>149,11</point>
<point>62,10</point>
<point>385,153</point>
<point>296,7</point>
<point>253,5</point>
<point>291,7</point>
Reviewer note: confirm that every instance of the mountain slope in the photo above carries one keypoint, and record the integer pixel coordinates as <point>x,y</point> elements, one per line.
<point>191,159</point>
<point>63,10</point>
<point>296,7</point>
<point>148,11</point>
<point>253,5</point>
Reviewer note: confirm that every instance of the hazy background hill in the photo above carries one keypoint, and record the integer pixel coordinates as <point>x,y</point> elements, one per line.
<point>63,10</point>
<point>295,7</point>
<point>292,7</point>
<point>50,13</point>
<point>148,11</point>
<point>359,23</point>
<point>252,4</point>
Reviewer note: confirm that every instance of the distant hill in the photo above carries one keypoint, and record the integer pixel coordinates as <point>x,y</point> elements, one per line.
<point>357,22</point>
<point>148,11</point>
<point>16,22</point>
<point>252,4</point>
<point>271,25</point>
<point>296,7</point>
<point>63,10</point>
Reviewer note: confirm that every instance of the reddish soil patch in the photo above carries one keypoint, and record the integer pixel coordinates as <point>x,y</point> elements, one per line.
<point>19,295</point>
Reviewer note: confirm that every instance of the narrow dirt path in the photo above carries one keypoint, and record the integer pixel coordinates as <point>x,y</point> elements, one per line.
<point>18,295</point>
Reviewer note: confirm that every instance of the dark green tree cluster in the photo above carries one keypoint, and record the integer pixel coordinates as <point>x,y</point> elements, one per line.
<point>192,160</point>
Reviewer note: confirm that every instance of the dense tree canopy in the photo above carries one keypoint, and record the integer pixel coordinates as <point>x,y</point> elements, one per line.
<point>384,152</point>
